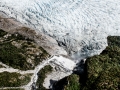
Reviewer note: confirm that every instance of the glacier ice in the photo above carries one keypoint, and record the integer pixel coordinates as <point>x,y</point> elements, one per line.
<point>80,26</point>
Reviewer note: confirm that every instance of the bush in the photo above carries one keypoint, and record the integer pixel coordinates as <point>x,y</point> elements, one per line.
<point>41,76</point>
<point>13,79</point>
<point>11,56</point>
<point>103,70</point>
<point>73,82</point>
<point>2,33</point>
<point>16,57</point>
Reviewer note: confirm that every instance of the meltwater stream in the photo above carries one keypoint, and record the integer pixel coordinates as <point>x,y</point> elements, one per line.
<point>61,61</point>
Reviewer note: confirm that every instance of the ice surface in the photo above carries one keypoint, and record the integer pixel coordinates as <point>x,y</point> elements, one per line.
<point>80,26</point>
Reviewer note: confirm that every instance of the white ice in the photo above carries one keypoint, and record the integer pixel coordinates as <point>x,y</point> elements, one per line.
<point>77,24</point>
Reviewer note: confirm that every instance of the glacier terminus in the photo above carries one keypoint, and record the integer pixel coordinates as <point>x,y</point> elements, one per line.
<point>79,26</point>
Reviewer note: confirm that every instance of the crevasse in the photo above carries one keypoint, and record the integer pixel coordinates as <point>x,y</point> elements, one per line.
<point>79,26</point>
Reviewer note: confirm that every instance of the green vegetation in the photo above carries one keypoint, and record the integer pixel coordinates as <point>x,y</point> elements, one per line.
<point>2,33</point>
<point>73,82</point>
<point>13,79</point>
<point>1,66</point>
<point>102,71</point>
<point>11,56</point>
<point>12,89</point>
<point>44,54</point>
<point>19,52</point>
<point>42,75</point>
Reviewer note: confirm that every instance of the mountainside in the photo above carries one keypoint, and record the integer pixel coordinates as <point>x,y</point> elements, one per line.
<point>49,44</point>
<point>25,65</point>
<point>80,26</point>
<point>44,41</point>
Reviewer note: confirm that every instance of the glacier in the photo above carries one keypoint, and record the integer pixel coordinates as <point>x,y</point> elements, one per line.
<point>81,27</point>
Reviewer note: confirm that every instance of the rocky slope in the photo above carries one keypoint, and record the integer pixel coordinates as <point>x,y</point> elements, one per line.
<point>49,44</point>
<point>80,26</point>
<point>24,64</point>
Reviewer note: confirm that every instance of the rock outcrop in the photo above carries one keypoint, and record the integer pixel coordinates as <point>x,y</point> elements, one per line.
<point>14,27</point>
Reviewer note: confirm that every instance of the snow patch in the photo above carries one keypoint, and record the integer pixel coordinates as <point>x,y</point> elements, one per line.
<point>63,62</point>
